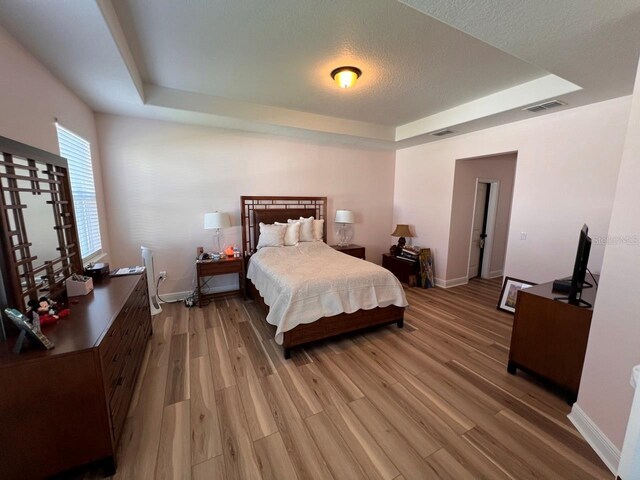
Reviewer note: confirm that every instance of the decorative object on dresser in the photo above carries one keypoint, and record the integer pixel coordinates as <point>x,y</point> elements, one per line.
<point>344,218</point>
<point>352,249</point>
<point>222,266</point>
<point>97,271</point>
<point>65,407</point>
<point>270,209</point>
<point>549,338</point>
<point>401,231</point>
<point>509,293</point>
<point>404,269</point>
<point>36,257</point>
<point>216,221</point>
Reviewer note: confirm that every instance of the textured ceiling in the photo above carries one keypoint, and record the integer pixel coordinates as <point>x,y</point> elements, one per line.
<point>263,66</point>
<point>281,52</point>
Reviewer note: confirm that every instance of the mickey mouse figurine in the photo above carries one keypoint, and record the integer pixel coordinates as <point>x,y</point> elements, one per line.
<point>47,310</point>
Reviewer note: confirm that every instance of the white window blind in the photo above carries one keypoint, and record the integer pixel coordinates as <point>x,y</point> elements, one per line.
<point>77,151</point>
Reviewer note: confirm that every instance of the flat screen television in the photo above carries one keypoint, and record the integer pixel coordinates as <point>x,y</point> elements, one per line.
<point>580,269</point>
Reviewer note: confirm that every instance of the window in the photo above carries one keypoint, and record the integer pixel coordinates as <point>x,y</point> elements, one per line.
<point>77,151</point>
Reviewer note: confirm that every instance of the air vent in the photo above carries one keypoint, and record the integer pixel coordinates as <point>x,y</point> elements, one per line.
<point>441,133</point>
<point>544,106</point>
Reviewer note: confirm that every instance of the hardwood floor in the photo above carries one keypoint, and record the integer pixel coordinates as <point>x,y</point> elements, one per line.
<point>216,400</point>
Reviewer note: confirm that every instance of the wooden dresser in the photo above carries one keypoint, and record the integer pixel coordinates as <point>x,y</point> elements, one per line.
<point>549,337</point>
<point>66,407</point>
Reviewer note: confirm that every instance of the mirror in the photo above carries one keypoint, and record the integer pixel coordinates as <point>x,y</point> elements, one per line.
<point>39,238</point>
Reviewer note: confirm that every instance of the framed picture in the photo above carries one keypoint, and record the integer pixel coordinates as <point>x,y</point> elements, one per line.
<point>509,293</point>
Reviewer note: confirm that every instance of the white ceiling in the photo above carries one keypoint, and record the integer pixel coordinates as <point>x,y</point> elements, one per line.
<point>264,66</point>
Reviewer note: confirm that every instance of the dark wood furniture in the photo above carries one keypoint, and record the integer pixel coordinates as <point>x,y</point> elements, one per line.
<point>266,209</point>
<point>210,268</point>
<point>549,337</point>
<point>352,249</point>
<point>403,269</point>
<point>32,179</point>
<point>66,407</point>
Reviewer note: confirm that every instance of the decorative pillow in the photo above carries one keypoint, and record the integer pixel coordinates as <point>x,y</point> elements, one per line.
<point>271,235</point>
<point>292,235</point>
<point>318,230</point>
<point>306,228</point>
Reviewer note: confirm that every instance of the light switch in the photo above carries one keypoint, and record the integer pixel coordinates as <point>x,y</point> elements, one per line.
<point>523,235</point>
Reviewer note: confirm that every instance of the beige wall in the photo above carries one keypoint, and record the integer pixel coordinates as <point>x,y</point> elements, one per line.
<point>614,340</point>
<point>161,178</point>
<point>567,172</point>
<point>502,168</point>
<point>31,98</point>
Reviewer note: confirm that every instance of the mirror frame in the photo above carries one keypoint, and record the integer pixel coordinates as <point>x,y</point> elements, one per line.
<point>55,183</point>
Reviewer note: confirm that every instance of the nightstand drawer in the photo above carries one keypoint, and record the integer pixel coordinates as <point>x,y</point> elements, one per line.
<point>357,251</point>
<point>220,268</point>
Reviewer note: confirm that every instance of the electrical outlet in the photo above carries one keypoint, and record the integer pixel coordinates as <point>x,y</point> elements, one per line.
<point>163,275</point>
<point>523,235</point>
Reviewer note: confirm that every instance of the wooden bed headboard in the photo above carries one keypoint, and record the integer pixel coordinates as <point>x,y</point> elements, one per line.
<point>254,210</point>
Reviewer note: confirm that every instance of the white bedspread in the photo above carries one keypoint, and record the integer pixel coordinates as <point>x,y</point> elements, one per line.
<point>312,280</point>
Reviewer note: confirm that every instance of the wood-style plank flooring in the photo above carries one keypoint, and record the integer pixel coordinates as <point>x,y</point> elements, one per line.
<point>216,400</point>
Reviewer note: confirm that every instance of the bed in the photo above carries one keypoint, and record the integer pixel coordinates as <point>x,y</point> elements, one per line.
<point>309,292</point>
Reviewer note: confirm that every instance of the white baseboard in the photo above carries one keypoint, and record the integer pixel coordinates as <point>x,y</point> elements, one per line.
<point>454,282</point>
<point>605,449</point>
<point>496,273</point>
<point>176,296</point>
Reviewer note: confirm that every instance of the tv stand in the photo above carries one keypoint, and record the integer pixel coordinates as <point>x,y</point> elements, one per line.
<point>549,337</point>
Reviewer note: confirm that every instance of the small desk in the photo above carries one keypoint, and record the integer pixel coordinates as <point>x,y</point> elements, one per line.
<point>210,268</point>
<point>401,268</point>
<point>351,249</point>
<point>549,337</point>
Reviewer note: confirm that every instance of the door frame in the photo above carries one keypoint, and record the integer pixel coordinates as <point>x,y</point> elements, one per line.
<point>492,214</point>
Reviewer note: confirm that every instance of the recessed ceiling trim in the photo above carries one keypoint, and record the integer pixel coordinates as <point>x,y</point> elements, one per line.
<point>282,117</point>
<point>527,93</point>
<point>115,29</point>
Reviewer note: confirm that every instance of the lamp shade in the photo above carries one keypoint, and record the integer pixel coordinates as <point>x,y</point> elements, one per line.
<point>216,220</point>
<point>344,216</point>
<point>402,231</point>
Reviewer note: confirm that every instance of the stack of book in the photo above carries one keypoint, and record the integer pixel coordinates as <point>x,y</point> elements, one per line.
<point>409,253</point>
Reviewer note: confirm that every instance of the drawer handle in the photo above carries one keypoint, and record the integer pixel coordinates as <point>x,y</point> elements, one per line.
<point>125,310</point>
<point>115,357</point>
<point>120,381</point>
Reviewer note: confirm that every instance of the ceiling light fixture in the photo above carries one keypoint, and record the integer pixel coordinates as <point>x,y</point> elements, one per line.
<point>346,77</point>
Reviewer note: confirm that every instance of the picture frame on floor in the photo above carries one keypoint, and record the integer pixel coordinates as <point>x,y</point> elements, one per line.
<point>509,293</point>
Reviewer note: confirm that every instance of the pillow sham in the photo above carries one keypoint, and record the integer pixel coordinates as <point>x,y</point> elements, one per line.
<point>318,230</point>
<point>292,235</point>
<point>271,235</point>
<point>306,228</point>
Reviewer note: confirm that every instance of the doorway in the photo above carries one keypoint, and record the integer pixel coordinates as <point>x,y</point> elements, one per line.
<point>481,206</point>
<point>485,211</point>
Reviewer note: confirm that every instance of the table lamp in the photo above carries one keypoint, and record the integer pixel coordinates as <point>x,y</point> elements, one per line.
<point>343,218</point>
<point>216,221</point>
<point>401,231</point>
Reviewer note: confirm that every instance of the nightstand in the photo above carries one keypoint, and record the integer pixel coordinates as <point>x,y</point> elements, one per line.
<point>210,268</point>
<point>352,249</point>
<point>403,269</point>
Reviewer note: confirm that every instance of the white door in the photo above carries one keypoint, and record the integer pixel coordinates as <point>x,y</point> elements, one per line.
<point>478,224</point>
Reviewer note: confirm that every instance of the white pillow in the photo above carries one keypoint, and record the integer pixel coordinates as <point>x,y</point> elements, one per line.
<point>318,230</point>
<point>306,228</point>
<point>271,235</point>
<point>292,235</point>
